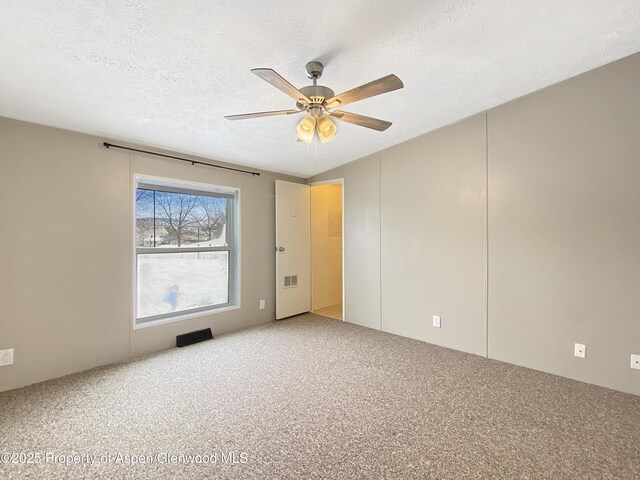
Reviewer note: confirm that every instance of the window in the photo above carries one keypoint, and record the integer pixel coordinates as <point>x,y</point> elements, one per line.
<point>186,258</point>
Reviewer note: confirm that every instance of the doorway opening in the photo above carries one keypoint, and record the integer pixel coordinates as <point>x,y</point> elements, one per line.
<point>327,263</point>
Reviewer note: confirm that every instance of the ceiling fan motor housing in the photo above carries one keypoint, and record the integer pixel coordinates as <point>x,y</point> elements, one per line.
<point>317,94</point>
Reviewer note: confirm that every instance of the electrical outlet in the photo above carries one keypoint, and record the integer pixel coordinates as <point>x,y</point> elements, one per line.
<point>580,350</point>
<point>635,361</point>
<point>436,321</point>
<point>6,357</point>
<point>262,302</point>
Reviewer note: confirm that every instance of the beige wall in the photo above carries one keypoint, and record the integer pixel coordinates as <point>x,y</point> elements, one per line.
<point>564,227</point>
<point>433,230</point>
<point>326,246</point>
<point>415,237</point>
<point>549,258</point>
<point>66,252</point>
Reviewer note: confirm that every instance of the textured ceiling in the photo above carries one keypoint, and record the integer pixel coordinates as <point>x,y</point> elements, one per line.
<point>164,73</point>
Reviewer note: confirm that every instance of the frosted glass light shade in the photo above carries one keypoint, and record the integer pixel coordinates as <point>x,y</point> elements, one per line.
<point>305,128</point>
<point>326,129</point>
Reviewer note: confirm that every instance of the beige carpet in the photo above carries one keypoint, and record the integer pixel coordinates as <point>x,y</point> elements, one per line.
<point>311,397</point>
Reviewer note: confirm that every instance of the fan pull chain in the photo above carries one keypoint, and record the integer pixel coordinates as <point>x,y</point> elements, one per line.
<point>316,141</point>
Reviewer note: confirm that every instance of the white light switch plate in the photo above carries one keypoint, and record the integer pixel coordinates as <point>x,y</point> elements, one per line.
<point>635,361</point>
<point>261,304</point>
<point>6,357</point>
<point>436,321</point>
<point>580,350</point>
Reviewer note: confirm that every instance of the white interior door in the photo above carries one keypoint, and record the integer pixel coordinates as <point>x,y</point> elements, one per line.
<point>293,249</point>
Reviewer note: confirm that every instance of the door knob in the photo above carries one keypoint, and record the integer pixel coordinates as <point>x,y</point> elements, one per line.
<point>281,249</point>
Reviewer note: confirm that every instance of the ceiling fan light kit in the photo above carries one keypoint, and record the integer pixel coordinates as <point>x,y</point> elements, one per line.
<point>305,128</point>
<point>319,103</point>
<point>326,129</point>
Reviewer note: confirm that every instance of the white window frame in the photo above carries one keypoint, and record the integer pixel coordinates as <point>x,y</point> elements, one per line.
<point>232,195</point>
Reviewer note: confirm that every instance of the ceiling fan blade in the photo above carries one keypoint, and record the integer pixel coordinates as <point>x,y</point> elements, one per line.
<point>369,122</point>
<point>371,89</point>
<point>245,116</point>
<point>280,83</point>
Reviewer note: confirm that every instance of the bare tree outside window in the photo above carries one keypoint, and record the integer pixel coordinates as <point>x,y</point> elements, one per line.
<point>177,210</point>
<point>143,197</point>
<point>145,218</point>
<point>145,232</point>
<point>213,217</point>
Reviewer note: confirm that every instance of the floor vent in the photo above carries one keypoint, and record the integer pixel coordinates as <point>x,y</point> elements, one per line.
<point>193,337</point>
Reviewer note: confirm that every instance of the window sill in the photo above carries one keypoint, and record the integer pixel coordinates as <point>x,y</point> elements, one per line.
<point>185,316</point>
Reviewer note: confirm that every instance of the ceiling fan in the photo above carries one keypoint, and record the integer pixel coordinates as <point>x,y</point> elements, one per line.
<point>320,102</point>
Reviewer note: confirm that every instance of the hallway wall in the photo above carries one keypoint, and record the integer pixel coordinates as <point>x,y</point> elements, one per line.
<point>326,245</point>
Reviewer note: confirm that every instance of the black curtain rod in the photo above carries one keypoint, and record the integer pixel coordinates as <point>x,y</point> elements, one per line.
<point>192,162</point>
